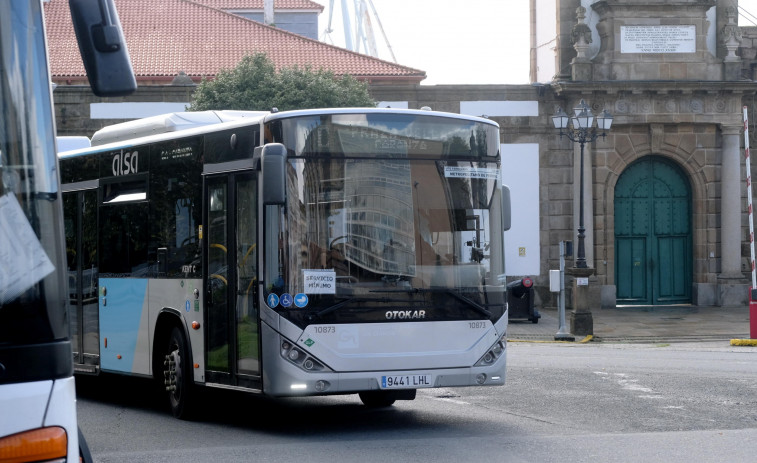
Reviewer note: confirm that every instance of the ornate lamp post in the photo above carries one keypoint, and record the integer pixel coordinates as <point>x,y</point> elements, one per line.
<point>582,131</point>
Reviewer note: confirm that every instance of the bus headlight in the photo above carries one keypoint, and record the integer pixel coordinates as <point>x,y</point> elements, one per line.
<point>300,358</point>
<point>494,352</point>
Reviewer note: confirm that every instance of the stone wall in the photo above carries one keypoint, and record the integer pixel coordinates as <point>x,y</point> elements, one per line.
<point>73,105</point>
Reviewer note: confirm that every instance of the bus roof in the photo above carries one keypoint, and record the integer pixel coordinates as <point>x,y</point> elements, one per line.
<point>203,121</point>
<point>424,111</point>
<point>165,123</point>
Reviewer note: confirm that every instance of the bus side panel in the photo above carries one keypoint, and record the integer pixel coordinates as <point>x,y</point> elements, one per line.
<point>33,405</point>
<point>62,412</point>
<point>180,296</point>
<point>23,406</point>
<point>124,325</point>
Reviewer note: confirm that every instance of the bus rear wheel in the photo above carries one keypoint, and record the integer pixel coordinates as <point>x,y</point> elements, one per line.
<point>177,375</point>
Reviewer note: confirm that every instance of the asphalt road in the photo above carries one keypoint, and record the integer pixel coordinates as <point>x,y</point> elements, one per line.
<point>562,402</point>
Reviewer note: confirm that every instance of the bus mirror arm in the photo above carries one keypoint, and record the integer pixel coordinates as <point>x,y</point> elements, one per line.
<point>257,154</point>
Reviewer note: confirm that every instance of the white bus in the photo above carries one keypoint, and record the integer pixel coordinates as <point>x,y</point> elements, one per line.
<point>37,394</point>
<point>310,252</point>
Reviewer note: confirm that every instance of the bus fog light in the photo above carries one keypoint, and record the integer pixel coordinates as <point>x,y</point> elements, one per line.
<point>322,385</point>
<point>480,378</point>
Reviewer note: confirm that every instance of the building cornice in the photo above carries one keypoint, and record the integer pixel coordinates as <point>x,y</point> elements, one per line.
<point>566,88</point>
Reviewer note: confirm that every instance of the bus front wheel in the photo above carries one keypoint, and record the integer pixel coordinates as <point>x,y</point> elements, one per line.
<point>177,374</point>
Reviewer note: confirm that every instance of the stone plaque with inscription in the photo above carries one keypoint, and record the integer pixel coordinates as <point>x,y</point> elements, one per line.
<point>658,39</point>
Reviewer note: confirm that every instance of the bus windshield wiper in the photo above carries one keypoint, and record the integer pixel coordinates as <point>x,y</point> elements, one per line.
<point>471,303</point>
<point>334,307</point>
<point>408,289</point>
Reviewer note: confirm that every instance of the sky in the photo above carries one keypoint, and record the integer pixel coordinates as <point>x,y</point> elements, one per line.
<point>454,41</point>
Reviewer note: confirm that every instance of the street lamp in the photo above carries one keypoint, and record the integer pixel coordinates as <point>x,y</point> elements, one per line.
<point>582,131</point>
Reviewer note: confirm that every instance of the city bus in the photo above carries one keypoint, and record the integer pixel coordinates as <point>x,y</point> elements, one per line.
<point>294,253</point>
<point>38,419</point>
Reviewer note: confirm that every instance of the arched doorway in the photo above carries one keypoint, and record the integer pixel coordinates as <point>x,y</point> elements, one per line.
<point>653,245</point>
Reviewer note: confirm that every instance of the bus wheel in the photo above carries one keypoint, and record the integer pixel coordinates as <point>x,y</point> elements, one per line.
<point>177,374</point>
<point>377,399</point>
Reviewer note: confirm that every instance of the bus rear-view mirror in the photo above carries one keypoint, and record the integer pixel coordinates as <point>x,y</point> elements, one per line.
<point>506,208</point>
<point>103,47</point>
<point>273,165</point>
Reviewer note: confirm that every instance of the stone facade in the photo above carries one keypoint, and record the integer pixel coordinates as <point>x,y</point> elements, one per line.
<point>73,105</point>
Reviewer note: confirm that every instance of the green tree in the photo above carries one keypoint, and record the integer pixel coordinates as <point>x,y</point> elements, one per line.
<point>255,84</point>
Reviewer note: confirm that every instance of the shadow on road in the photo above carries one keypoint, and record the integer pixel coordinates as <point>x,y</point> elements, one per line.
<point>302,416</point>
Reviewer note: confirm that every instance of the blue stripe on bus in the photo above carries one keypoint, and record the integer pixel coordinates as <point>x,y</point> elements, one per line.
<point>121,310</point>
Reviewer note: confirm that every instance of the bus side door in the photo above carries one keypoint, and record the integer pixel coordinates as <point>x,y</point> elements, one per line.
<point>81,252</point>
<point>231,259</point>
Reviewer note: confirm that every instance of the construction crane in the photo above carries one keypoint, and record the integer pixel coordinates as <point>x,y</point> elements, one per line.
<point>361,39</point>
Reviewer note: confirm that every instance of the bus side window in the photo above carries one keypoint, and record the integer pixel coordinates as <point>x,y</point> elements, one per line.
<point>175,208</point>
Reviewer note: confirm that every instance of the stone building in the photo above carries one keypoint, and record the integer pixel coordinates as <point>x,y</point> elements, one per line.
<point>664,192</point>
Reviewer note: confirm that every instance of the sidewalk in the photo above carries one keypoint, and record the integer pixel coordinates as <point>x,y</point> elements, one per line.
<point>644,324</point>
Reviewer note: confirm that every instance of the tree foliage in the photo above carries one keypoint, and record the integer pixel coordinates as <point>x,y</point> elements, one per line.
<point>255,84</point>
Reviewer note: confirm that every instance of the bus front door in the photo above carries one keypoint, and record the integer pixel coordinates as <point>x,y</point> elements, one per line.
<point>81,250</point>
<point>232,317</point>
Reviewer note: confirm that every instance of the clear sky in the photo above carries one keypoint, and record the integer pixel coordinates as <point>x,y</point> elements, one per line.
<point>748,12</point>
<point>454,41</point>
<point>458,41</point>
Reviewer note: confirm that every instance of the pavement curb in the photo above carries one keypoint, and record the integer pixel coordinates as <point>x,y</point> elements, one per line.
<point>744,342</point>
<point>555,341</point>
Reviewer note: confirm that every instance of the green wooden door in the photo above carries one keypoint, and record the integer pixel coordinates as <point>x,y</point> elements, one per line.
<point>653,251</point>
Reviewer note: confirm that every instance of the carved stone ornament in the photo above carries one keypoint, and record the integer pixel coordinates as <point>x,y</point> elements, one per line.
<point>731,36</point>
<point>581,34</point>
<point>581,31</point>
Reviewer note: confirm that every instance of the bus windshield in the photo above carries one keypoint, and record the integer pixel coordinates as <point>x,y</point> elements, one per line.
<point>32,294</point>
<point>387,219</point>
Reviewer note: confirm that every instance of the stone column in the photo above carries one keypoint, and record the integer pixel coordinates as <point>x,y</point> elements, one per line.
<point>730,204</point>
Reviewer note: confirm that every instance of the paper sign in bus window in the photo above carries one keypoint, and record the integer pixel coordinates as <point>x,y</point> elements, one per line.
<point>319,281</point>
<point>470,172</point>
<point>23,261</point>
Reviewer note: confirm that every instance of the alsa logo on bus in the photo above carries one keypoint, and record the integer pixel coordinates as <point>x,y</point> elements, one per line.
<point>126,163</point>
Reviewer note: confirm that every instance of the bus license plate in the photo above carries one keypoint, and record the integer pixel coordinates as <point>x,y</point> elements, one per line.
<point>405,381</point>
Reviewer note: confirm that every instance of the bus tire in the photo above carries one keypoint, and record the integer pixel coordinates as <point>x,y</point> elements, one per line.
<point>85,456</point>
<point>377,399</point>
<point>177,374</point>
